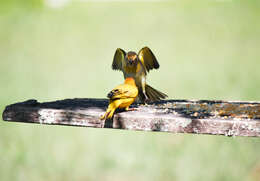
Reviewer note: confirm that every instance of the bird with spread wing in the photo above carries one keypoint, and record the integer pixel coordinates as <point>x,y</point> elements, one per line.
<point>137,66</point>
<point>121,96</point>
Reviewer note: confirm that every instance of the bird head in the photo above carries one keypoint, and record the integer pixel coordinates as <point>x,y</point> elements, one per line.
<point>131,59</point>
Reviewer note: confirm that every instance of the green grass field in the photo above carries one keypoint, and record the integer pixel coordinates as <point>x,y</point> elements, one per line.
<point>207,50</point>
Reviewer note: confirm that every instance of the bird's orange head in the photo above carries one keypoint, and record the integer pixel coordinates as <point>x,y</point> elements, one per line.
<point>130,80</point>
<point>131,58</point>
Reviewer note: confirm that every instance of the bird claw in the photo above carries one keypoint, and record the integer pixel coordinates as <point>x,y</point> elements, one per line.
<point>146,101</point>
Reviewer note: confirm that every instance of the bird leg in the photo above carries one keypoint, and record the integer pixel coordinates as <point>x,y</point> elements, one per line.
<point>146,98</point>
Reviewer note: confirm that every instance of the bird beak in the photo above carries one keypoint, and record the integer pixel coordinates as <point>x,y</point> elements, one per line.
<point>131,62</point>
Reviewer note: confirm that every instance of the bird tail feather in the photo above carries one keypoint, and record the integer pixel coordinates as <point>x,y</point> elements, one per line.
<point>151,94</point>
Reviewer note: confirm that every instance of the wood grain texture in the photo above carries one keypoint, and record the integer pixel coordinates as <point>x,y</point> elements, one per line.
<point>175,116</point>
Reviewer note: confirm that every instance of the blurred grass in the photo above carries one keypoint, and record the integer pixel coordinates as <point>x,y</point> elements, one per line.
<point>207,50</point>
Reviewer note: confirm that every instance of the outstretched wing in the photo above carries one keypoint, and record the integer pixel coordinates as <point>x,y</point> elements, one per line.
<point>118,59</point>
<point>148,59</point>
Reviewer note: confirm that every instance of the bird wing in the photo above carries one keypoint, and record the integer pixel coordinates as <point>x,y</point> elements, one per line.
<point>148,59</point>
<point>118,59</point>
<point>123,91</point>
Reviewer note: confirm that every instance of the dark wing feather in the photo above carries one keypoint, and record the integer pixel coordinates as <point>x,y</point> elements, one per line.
<point>148,59</point>
<point>122,91</point>
<point>118,59</point>
<point>118,94</point>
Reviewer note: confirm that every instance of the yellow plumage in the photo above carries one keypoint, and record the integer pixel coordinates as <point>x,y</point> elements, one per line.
<point>121,96</point>
<point>136,66</point>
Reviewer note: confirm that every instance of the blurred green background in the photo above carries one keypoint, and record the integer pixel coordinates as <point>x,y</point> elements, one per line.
<point>55,49</point>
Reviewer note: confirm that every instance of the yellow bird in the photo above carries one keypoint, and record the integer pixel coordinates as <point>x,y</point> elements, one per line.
<point>121,96</point>
<point>137,66</point>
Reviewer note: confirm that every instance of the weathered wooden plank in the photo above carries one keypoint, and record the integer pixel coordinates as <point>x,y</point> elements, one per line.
<point>175,116</point>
